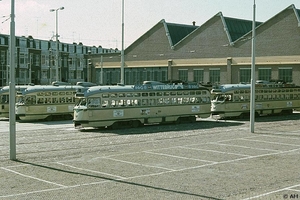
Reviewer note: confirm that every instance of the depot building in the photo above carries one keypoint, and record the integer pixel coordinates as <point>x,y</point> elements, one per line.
<point>217,52</point>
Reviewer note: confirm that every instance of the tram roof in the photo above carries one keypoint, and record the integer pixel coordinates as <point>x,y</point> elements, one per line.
<point>5,89</point>
<point>230,87</point>
<point>44,88</point>
<point>139,88</point>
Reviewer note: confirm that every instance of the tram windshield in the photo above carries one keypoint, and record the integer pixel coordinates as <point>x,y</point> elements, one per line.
<point>81,102</point>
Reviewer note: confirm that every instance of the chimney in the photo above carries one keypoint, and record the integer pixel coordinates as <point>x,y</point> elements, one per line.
<point>194,23</point>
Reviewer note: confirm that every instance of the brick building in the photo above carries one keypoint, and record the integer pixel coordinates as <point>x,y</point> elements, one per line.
<point>218,51</point>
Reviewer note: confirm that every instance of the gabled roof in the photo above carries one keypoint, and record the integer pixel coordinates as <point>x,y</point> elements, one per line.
<point>238,27</point>
<point>176,32</point>
<point>297,14</point>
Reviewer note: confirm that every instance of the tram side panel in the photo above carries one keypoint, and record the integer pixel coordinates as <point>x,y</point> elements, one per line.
<point>146,108</point>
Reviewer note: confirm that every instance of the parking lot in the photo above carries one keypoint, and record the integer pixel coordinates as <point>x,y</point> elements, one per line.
<point>204,160</point>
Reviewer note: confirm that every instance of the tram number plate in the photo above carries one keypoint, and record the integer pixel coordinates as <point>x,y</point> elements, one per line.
<point>51,109</point>
<point>195,108</point>
<point>289,104</point>
<point>118,113</point>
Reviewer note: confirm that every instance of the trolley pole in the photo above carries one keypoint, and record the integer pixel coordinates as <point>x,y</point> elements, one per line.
<point>12,89</point>
<point>252,99</point>
<point>122,51</point>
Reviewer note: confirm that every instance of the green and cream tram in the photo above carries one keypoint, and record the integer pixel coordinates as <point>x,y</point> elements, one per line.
<point>4,99</point>
<point>47,102</point>
<point>152,102</point>
<point>233,100</point>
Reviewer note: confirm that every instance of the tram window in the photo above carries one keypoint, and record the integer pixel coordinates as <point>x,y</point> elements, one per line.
<point>186,100</point>
<point>160,101</point>
<point>198,92</point>
<point>204,92</point>
<point>113,103</point>
<point>144,94</point>
<point>40,94</point>
<point>295,96</point>
<point>173,93</point>
<point>105,95</point>
<point>247,91</point>
<point>179,100</point>
<point>69,99</point>
<point>179,93</point>
<point>49,100</point>
<point>236,92</point>
<point>145,102</point>
<point>137,94</point>
<point>192,92</point>
<point>174,100</point>
<point>151,94</point>
<point>54,93</point>
<point>166,93</point>
<point>166,100</point>
<point>104,103</point>
<point>265,97</point>
<point>47,93</point>
<point>236,98</point>
<point>186,93</point>
<point>62,93</point>
<point>62,100</point>
<point>129,102</point>
<point>158,94</point>
<point>269,96</point>
<point>121,95</point>
<point>136,102</point>
<point>151,102</point>
<point>122,103</point>
<point>94,102</point>
<point>54,100</point>
<point>242,92</point>
<point>129,95</point>
<point>113,95</point>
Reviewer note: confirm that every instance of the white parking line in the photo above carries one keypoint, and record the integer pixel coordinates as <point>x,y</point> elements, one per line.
<point>93,171</point>
<point>31,177</point>
<point>279,143</point>
<point>271,192</point>
<point>214,151</point>
<point>180,157</point>
<point>134,163</point>
<point>245,147</point>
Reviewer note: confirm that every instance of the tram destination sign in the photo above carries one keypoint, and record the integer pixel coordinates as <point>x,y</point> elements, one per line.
<point>164,87</point>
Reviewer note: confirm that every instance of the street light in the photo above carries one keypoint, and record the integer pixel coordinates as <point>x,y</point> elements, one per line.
<point>56,36</point>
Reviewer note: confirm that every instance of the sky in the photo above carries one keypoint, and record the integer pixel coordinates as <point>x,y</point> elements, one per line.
<point>99,22</point>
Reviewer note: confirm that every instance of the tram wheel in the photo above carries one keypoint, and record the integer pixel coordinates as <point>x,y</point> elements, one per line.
<point>49,118</point>
<point>135,123</point>
<point>114,126</point>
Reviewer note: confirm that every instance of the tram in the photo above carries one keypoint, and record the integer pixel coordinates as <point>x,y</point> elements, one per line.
<point>135,105</point>
<point>233,100</point>
<point>4,99</point>
<point>47,102</point>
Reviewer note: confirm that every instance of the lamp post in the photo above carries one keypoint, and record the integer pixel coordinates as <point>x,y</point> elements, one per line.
<point>56,37</point>
<point>252,99</point>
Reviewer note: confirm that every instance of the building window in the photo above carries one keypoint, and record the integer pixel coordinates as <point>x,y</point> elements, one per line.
<point>214,76</point>
<point>264,74</point>
<point>199,75</point>
<point>245,75</point>
<point>183,74</point>
<point>285,74</point>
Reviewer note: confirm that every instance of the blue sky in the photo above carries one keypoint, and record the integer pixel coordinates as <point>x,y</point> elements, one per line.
<point>99,22</point>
